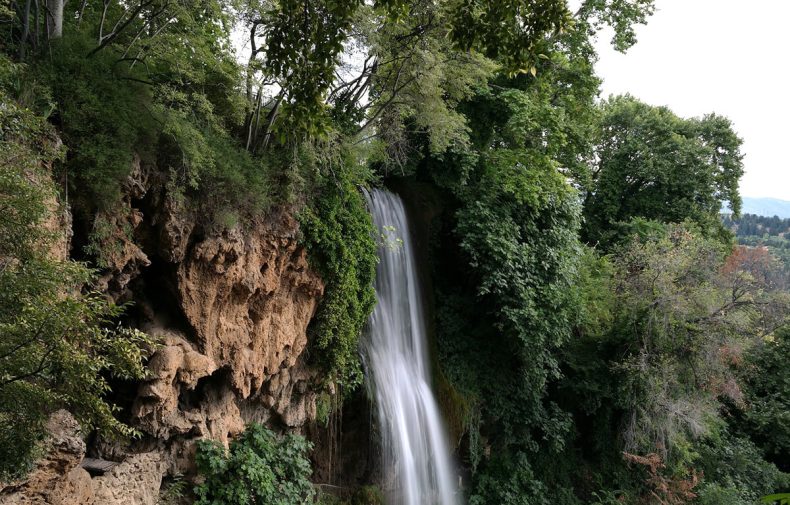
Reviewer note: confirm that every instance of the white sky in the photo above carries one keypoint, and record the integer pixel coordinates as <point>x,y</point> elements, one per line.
<point>723,56</point>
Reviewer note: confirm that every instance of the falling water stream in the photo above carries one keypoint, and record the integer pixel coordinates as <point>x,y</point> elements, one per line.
<point>415,450</point>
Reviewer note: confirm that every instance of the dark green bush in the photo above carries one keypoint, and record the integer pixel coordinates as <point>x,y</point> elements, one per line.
<point>259,467</point>
<point>766,416</point>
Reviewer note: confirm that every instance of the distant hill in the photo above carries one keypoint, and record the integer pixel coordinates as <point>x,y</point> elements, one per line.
<point>765,207</point>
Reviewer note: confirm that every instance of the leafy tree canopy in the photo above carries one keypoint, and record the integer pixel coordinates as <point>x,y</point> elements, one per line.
<point>654,165</point>
<point>658,358</point>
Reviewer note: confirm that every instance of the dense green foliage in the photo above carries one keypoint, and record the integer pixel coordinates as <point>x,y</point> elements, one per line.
<point>258,467</point>
<point>647,366</point>
<point>764,415</point>
<point>58,347</point>
<point>654,165</point>
<point>515,209</point>
<point>338,235</point>
<point>659,364</point>
<point>735,470</point>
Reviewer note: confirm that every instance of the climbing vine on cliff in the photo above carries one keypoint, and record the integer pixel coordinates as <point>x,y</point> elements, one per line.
<point>338,233</point>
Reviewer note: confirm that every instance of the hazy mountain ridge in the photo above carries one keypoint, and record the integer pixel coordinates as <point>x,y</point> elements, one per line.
<point>764,207</point>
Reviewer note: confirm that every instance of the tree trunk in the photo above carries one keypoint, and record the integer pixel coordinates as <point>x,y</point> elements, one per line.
<point>55,18</point>
<point>25,30</point>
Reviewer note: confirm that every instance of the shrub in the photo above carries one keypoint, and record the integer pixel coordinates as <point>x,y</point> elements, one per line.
<point>259,467</point>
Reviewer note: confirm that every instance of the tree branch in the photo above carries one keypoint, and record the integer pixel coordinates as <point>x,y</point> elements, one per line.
<point>119,27</point>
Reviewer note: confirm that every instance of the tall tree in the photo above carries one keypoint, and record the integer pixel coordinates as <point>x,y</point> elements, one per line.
<point>654,165</point>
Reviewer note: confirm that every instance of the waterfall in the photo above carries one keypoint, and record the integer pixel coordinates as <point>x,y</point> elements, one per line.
<point>415,449</point>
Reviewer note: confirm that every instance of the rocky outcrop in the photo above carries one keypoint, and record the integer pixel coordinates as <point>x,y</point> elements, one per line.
<point>174,225</point>
<point>113,236</point>
<point>231,311</point>
<point>136,481</point>
<point>58,478</point>
<point>248,298</point>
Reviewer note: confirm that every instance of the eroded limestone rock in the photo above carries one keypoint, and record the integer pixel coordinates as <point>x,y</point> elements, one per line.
<point>135,481</point>
<point>231,310</point>
<point>57,478</point>
<point>250,296</point>
<point>123,259</point>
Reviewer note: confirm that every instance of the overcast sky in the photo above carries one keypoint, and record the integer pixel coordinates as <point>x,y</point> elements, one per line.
<point>724,56</point>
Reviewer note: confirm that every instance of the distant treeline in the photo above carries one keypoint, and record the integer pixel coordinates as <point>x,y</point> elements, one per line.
<point>761,231</point>
<point>750,225</point>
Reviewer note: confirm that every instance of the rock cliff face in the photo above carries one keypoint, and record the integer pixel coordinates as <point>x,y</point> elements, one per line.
<point>57,474</point>
<point>61,478</point>
<point>247,299</point>
<point>231,310</point>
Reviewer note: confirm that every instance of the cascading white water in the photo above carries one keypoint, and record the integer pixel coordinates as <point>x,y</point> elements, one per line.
<point>395,354</point>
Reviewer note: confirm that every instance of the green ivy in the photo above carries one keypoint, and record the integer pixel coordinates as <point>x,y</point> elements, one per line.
<point>339,235</point>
